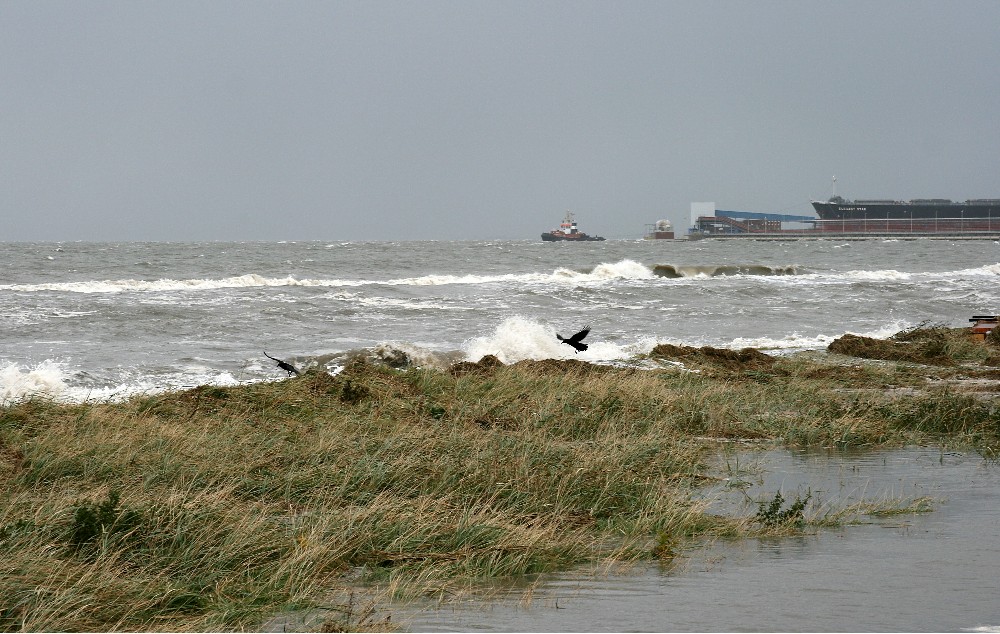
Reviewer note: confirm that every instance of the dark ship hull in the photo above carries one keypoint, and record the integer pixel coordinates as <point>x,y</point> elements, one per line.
<point>559,236</point>
<point>912,216</point>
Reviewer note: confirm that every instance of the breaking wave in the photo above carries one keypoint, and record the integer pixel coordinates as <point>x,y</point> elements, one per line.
<point>625,269</point>
<point>794,342</point>
<point>605,272</point>
<point>250,280</point>
<point>715,270</point>
<point>989,269</point>
<point>888,275</point>
<point>51,380</point>
<point>514,339</point>
<point>54,381</point>
<point>46,379</point>
<point>520,338</point>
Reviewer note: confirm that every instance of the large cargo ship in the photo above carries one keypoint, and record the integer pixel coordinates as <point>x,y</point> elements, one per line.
<point>928,215</point>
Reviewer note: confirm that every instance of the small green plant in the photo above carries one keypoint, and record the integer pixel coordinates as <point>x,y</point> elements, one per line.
<point>92,521</point>
<point>771,513</point>
<point>665,548</point>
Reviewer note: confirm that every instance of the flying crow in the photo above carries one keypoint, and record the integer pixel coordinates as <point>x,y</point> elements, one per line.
<point>576,340</point>
<point>284,365</point>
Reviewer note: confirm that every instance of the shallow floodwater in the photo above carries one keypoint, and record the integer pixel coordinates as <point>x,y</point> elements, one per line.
<point>933,571</point>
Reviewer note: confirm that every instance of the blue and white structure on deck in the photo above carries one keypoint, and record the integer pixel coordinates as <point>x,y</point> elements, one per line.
<point>707,221</point>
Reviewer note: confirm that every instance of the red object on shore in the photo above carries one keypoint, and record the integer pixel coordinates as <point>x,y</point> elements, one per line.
<point>983,325</point>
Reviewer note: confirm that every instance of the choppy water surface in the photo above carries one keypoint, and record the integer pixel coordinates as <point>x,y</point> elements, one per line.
<point>934,571</point>
<point>92,320</point>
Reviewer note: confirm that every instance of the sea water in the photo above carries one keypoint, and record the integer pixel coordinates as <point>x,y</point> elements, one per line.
<point>97,321</point>
<point>932,571</point>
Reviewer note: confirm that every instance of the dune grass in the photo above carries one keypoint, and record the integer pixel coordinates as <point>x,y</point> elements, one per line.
<point>217,507</point>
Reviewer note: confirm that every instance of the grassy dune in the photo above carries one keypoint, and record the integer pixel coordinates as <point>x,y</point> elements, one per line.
<point>215,508</point>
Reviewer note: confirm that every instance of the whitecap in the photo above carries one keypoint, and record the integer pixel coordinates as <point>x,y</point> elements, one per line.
<point>793,341</point>
<point>47,379</point>
<point>989,269</point>
<point>249,280</point>
<point>520,338</point>
<point>888,275</point>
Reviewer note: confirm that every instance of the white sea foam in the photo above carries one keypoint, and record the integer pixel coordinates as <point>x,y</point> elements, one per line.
<point>885,275</point>
<point>796,341</point>
<point>793,341</point>
<point>623,269</point>
<point>989,269</point>
<point>519,338</point>
<point>605,272</point>
<point>888,275</point>
<point>52,380</point>
<point>409,304</point>
<point>887,330</point>
<point>515,339</point>
<point>250,280</point>
<point>45,379</point>
<point>441,280</point>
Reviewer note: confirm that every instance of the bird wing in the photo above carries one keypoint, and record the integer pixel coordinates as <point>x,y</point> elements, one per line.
<point>580,335</point>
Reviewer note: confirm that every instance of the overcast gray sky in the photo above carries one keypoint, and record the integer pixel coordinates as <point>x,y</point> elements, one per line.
<point>373,120</point>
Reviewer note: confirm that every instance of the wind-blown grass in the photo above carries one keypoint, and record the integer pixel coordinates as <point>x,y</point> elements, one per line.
<point>217,507</point>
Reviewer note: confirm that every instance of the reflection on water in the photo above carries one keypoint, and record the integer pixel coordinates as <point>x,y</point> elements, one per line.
<point>932,571</point>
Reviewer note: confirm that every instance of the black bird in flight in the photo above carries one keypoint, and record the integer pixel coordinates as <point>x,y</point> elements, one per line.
<point>576,340</point>
<point>284,365</point>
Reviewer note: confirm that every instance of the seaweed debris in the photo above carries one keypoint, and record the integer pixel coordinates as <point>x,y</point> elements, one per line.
<point>719,359</point>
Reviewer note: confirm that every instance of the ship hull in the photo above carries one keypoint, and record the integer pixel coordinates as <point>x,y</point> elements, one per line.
<point>908,216</point>
<point>558,236</point>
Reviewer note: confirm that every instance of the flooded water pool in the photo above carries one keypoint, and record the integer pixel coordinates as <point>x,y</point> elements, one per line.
<point>932,571</point>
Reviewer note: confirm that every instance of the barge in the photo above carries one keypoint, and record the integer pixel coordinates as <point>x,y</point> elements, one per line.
<point>923,216</point>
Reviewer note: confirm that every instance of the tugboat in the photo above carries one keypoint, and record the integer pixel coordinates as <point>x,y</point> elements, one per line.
<point>567,232</point>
